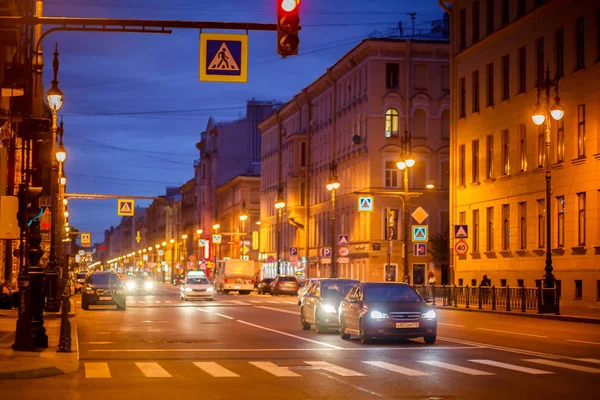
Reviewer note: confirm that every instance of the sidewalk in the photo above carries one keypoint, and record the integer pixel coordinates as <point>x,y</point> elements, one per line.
<point>47,362</point>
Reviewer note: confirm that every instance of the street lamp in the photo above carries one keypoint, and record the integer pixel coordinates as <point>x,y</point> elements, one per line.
<point>332,185</point>
<point>199,231</point>
<point>216,227</point>
<point>279,205</point>
<point>406,161</point>
<point>540,116</point>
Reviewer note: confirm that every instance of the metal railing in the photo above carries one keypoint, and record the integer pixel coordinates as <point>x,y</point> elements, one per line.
<point>494,298</point>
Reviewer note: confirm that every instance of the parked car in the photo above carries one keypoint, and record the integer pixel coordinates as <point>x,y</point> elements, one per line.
<point>264,286</point>
<point>386,310</point>
<point>103,288</point>
<point>196,288</point>
<point>304,287</point>
<point>79,280</point>
<point>177,280</point>
<point>284,284</point>
<point>320,305</point>
<point>139,284</point>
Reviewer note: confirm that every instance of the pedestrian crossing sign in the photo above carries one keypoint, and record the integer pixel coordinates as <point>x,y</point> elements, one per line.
<point>125,207</point>
<point>420,233</point>
<point>223,57</point>
<point>365,203</point>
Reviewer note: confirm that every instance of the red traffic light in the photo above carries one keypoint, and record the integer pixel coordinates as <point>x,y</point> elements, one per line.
<point>288,25</point>
<point>289,5</point>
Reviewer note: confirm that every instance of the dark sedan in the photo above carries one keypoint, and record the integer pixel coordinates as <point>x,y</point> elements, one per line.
<point>103,288</point>
<point>264,286</point>
<point>321,302</point>
<point>386,310</point>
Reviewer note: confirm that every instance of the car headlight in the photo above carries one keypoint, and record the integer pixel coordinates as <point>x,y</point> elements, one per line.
<point>328,308</point>
<point>378,315</point>
<point>429,314</point>
<point>147,285</point>
<point>210,289</point>
<point>188,289</point>
<point>130,285</point>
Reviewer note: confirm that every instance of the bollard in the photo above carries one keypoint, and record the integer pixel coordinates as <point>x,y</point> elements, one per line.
<point>494,298</point>
<point>523,299</point>
<point>468,295</point>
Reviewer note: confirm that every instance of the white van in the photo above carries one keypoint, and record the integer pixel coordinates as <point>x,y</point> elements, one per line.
<point>234,276</point>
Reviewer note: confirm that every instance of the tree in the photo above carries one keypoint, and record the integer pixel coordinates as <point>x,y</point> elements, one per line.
<point>440,248</point>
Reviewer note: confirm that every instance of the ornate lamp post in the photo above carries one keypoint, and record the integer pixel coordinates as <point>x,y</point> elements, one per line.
<point>406,162</point>
<point>332,185</point>
<point>542,115</point>
<point>279,206</point>
<point>243,219</point>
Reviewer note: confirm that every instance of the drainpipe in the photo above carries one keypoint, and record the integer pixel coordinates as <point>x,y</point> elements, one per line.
<point>308,101</point>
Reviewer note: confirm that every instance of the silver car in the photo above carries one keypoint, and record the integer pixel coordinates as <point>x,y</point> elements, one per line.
<point>305,286</point>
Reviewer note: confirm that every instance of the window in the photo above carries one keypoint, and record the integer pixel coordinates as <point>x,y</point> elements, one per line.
<point>446,124</point>
<point>559,49</point>
<point>461,165</point>
<point>579,44</point>
<point>420,123</point>
<point>539,48</point>
<point>476,23</point>
<point>473,282</point>
<point>391,123</point>
<point>475,81</point>
<point>462,41</point>
<point>463,98</point>
<point>489,159</point>
<point>578,289</point>
<point>302,194</point>
<point>475,243</point>
<point>303,154</point>
<point>475,161</point>
<point>523,148</point>
<point>521,4</point>
<point>581,218</point>
<point>560,230</point>
<point>392,74</point>
<point>490,84</point>
<point>503,282</point>
<point>505,226</point>
<point>581,130</point>
<point>461,281</point>
<point>391,174</point>
<point>505,16</point>
<point>505,77</point>
<point>462,218</point>
<point>445,166</point>
<point>420,76</point>
<point>520,282</point>
<point>505,152</point>
<point>541,147</point>
<point>445,78</point>
<point>522,69</point>
<point>490,17</point>
<point>490,229</point>
<point>598,290</point>
<point>541,210</point>
<point>390,220</point>
<point>560,140</point>
<point>523,225</point>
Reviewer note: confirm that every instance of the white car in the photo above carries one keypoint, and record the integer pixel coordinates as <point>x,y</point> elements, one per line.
<point>304,286</point>
<point>196,288</point>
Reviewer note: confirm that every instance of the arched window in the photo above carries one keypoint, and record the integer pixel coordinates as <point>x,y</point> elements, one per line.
<point>420,123</point>
<point>303,154</point>
<point>391,122</point>
<point>446,124</point>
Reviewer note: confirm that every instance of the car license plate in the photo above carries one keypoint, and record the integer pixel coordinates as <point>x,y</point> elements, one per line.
<point>105,298</point>
<point>407,324</point>
<point>237,287</point>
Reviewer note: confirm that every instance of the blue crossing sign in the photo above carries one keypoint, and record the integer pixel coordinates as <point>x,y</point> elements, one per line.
<point>461,231</point>
<point>223,57</point>
<point>343,240</point>
<point>420,233</point>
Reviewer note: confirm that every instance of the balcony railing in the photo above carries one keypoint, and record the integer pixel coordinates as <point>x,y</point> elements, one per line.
<point>488,298</point>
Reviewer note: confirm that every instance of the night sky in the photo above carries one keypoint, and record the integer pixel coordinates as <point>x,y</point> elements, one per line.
<point>134,108</point>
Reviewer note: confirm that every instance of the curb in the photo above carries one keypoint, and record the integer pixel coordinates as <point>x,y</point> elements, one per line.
<point>566,318</point>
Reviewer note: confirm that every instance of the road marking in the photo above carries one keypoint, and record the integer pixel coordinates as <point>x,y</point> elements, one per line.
<point>168,301</point>
<point>236,302</point>
<point>457,368</point>
<point>203,310</point>
<point>98,342</point>
<point>565,365</point>
<point>97,370</point>
<point>141,302</point>
<point>289,334</point>
<point>396,368</point>
<point>500,348</point>
<point>582,341</point>
<point>335,369</point>
<point>158,302</point>
<point>278,309</point>
<point>255,301</point>
<point>291,302</point>
<point>532,371</point>
<point>215,370</point>
<point>453,325</point>
<point>274,369</point>
<point>224,316</point>
<point>346,384</point>
<point>320,349</point>
<point>589,360</point>
<point>272,302</point>
<point>512,333</point>
<point>152,370</point>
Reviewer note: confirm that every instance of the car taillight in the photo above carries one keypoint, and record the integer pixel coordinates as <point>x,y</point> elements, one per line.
<point>252,282</point>
<point>226,280</point>
<point>279,284</point>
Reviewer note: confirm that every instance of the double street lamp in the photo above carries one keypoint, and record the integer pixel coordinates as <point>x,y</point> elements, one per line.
<point>279,206</point>
<point>332,185</point>
<point>406,161</point>
<point>542,115</point>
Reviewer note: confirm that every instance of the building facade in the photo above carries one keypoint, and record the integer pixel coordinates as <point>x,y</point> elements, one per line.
<point>353,118</point>
<point>501,50</point>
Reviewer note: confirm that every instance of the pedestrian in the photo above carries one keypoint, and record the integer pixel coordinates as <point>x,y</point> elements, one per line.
<point>431,279</point>
<point>6,297</point>
<point>484,288</point>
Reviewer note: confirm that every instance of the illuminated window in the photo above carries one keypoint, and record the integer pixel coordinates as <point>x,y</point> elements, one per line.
<point>391,123</point>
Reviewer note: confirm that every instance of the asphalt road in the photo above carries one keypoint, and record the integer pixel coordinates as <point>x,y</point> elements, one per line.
<point>253,347</point>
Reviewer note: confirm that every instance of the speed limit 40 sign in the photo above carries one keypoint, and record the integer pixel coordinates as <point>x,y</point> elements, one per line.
<point>461,247</point>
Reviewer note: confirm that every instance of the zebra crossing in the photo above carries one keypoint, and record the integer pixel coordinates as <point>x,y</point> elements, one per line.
<point>421,368</point>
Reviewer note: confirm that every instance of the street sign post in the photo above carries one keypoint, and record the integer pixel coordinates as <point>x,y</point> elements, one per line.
<point>461,247</point>
<point>325,252</point>
<point>293,254</point>
<point>420,215</point>
<point>86,239</point>
<point>343,240</point>
<point>420,249</point>
<point>223,57</point>
<point>420,233</point>
<point>216,238</point>
<point>343,251</point>
<point>365,203</point>
<point>125,207</point>
<point>461,231</point>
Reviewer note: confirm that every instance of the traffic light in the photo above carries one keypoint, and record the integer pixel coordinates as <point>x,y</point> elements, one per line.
<point>288,25</point>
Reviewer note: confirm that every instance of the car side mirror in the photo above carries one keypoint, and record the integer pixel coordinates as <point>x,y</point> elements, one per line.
<point>428,300</point>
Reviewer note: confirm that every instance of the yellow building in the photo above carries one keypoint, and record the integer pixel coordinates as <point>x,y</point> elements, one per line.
<point>354,117</point>
<point>501,50</point>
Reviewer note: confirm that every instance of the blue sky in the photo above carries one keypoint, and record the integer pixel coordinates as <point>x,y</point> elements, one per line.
<point>134,107</point>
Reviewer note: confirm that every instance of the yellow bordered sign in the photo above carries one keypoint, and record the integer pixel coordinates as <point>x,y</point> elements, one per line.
<point>223,57</point>
<point>125,207</point>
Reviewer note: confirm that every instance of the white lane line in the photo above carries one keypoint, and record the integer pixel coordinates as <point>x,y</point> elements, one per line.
<point>289,334</point>
<point>214,369</point>
<point>141,302</point>
<point>512,333</point>
<point>500,348</point>
<point>158,302</point>
<point>564,365</point>
<point>203,310</point>
<point>320,349</point>
<point>278,309</point>
<point>589,360</point>
<point>255,301</point>
<point>224,316</point>
<point>527,370</point>
<point>457,368</point>
<point>396,368</point>
<point>96,370</point>
<point>272,302</point>
<point>582,341</point>
<point>237,302</point>
<point>452,325</point>
<point>291,302</point>
<point>152,370</point>
<point>274,369</point>
<point>98,342</point>
<point>335,369</point>
<point>168,301</point>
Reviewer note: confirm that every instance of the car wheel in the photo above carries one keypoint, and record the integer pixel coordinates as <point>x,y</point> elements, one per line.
<point>211,299</point>
<point>430,339</point>
<point>318,325</point>
<point>364,339</point>
<point>343,333</point>
<point>182,297</point>
<point>85,304</point>
<point>305,325</point>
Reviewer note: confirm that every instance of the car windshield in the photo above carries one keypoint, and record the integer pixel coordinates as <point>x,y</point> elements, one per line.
<point>269,280</point>
<point>391,293</point>
<point>287,279</point>
<point>198,281</point>
<point>81,275</point>
<point>104,279</point>
<point>336,289</point>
